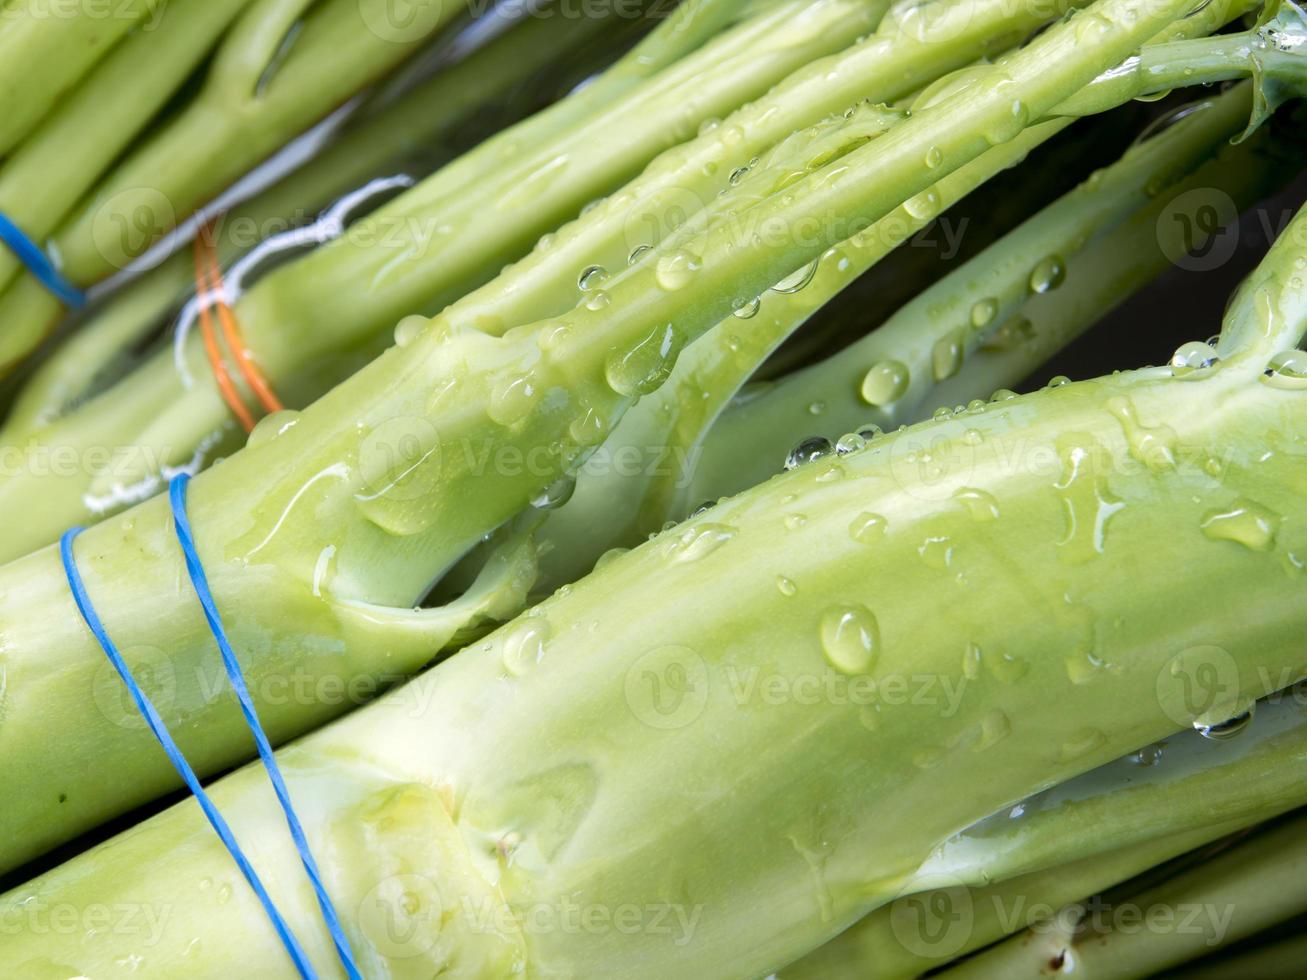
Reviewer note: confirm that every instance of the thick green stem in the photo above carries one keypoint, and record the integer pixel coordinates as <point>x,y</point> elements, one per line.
<point>45,177</point>
<point>929,929</point>
<point>691,26</point>
<point>419,123</point>
<point>97,354</point>
<point>251,48</point>
<point>895,61</point>
<point>30,312</point>
<point>1081,837</point>
<point>371,493</point>
<point>308,655</point>
<point>665,432</point>
<point>1251,887</point>
<point>45,52</point>
<point>1268,318</point>
<point>1185,783</point>
<point>341,46</point>
<point>447,235</point>
<point>313,322</point>
<point>647,473</point>
<point>867,184</point>
<point>529,287</point>
<point>337,49</point>
<point>988,301</point>
<point>495,798</point>
<point>1269,52</point>
<point>1173,226</point>
<point>588,367</point>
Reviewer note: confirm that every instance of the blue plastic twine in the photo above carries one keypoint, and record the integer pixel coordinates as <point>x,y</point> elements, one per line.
<point>177,497</point>
<point>174,754</point>
<point>39,264</point>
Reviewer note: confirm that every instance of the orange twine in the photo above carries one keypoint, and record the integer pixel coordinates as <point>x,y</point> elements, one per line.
<point>209,289</point>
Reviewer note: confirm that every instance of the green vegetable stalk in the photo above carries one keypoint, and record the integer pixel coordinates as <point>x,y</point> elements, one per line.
<point>933,354</point>
<point>1249,888</point>
<point>1238,782</point>
<point>275,68</point>
<point>42,56</point>
<point>910,49</point>
<point>932,928</point>
<point>378,141</point>
<point>684,458</point>
<point>897,58</point>
<point>773,721</point>
<point>333,523</point>
<point>129,212</point>
<point>1078,839</point>
<point>317,319</point>
<point>92,127</point>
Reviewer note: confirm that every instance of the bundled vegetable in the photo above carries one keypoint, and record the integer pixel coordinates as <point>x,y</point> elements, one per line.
<point>394,136</point>
<point>708,448</point>
<point>480,800</point>
<point>916,670</point>
<point>354,509</point>
<point>275,67</point>
<point>313,321</point>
